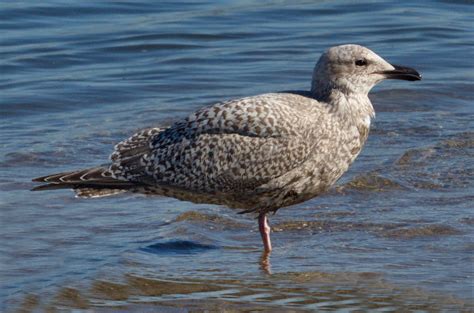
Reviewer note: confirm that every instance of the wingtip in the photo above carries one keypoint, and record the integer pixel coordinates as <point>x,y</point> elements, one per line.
<point>49,187</point>
<point>44,179</point>
<point>39,188</point>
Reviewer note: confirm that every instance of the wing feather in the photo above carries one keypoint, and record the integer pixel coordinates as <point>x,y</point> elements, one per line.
<point>237,144</point>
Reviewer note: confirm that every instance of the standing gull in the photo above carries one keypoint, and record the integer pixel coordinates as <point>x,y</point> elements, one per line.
<point>256,154</point>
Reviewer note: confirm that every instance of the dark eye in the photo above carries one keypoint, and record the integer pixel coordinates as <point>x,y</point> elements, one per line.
<point>361,62</point>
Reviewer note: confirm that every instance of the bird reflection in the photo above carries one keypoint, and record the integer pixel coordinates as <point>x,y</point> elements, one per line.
<point>265,264</point>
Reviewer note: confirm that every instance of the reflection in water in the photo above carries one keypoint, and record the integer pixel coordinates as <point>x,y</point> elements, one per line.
<point>265,264</point>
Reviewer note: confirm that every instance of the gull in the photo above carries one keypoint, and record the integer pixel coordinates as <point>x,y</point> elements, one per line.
<point>256,154</point>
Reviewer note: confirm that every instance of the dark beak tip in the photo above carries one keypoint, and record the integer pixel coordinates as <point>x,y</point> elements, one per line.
<point>417,76</point>
<point>403,72</point>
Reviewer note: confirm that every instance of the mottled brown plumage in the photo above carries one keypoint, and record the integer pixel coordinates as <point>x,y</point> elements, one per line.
<point>256,154</point>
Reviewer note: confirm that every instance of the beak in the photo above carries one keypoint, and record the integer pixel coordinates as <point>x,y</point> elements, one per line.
<point>402,72</point>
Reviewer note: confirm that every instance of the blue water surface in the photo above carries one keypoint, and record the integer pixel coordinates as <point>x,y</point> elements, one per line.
<point>78,76</point>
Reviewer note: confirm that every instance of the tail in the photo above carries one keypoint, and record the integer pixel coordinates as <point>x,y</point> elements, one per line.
<point>89,183</point>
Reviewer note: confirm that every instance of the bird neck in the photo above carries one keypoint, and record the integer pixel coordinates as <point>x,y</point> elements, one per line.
<point>345,103</point>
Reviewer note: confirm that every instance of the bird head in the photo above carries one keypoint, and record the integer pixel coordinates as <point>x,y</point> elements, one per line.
<point>353,69</point>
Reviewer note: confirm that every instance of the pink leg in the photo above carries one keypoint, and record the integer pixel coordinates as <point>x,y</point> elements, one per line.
<point>265,232</point>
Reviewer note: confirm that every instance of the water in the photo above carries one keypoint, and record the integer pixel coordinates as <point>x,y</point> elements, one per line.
<point>396,234</point>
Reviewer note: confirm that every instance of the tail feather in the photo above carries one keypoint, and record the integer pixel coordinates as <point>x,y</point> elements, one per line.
<point>97,193</point>
<point>87,183</point>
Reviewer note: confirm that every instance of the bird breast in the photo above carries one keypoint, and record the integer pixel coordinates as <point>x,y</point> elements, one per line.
<point>331,158</point>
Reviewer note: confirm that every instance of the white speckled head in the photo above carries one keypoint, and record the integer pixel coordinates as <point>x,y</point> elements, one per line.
<point>353,69</point>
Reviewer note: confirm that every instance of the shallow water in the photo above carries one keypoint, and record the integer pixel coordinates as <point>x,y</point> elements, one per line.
<point>396,234</point>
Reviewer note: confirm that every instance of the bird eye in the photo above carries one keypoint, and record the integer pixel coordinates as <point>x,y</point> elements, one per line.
<point>361,62</point>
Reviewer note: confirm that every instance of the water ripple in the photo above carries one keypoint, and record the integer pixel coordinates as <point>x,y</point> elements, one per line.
<point>178,247</point>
